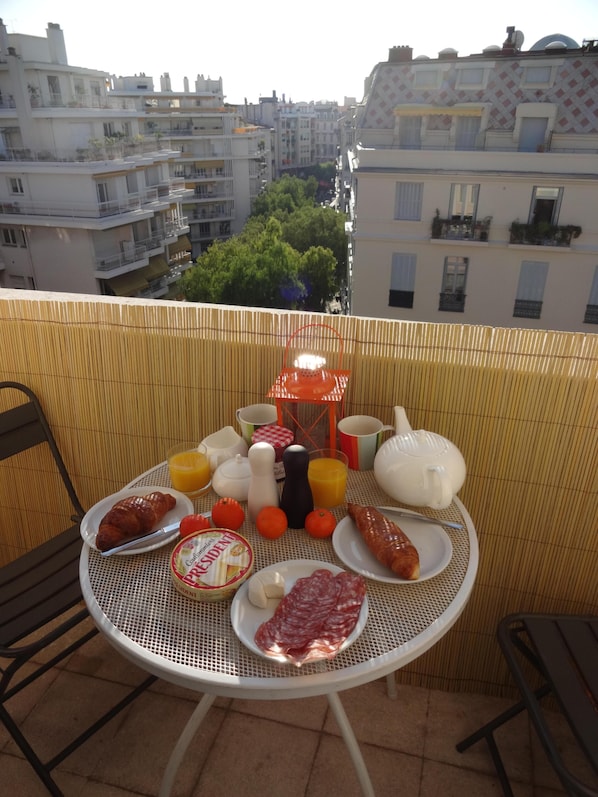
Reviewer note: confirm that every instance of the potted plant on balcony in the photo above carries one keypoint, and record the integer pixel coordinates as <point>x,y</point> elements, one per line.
<point>437,225</point>
<point>567,234</point>
<point>517,232</point>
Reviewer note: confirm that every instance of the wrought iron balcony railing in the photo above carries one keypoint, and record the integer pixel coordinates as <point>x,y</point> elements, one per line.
<point>461,229</point>
<point>543,234</point>
<point>452,301</point>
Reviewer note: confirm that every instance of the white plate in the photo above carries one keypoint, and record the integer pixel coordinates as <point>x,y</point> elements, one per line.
<point>432,542</point>
<point>91,521</point>
<point>247,618</point>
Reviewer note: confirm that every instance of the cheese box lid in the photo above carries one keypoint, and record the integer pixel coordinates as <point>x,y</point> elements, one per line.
<point>211,564</point>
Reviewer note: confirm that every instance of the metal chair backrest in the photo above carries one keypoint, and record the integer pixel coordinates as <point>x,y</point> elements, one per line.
<point>25,426</point>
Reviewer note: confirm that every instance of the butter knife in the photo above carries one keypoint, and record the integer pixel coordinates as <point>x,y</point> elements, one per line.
<point>424,518</point>
<point>152,537</point>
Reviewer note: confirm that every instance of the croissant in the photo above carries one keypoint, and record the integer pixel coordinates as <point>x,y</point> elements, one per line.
<point>132,517</point>
<point>389,544</point>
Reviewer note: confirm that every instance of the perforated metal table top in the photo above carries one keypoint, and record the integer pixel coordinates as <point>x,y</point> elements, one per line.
<point>133,601</point>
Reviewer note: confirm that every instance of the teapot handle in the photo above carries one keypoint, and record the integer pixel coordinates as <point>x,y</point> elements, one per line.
<point>442,487</point>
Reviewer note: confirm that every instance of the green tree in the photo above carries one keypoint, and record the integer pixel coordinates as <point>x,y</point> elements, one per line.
<point>259,273</point>
<point>284,196</point>
<point>317,271</point>
<point>318,226</point>
<point>290,254</point>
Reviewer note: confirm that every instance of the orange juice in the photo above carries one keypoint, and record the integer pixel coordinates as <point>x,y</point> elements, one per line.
<point>328,481</point>
<point>189,471</point>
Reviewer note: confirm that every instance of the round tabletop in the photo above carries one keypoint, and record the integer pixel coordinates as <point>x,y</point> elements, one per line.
<point>134,603</point>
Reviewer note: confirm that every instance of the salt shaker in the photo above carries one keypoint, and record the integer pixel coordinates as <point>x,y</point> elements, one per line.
<point>297,500</point>
<point>263,490</point>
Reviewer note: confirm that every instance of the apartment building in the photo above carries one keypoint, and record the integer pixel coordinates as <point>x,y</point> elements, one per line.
<point>304,133</point>
<point>108,187</point>
<point>473,187</point>
<point>224,161</point>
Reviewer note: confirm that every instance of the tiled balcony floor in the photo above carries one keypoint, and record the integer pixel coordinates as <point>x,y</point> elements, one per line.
<point>271,749</point>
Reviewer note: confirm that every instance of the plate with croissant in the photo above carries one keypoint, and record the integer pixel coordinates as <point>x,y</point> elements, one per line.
<point>134,512</point>
<point>372,544</point>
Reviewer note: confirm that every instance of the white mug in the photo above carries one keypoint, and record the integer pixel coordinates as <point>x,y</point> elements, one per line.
<point>252,417</point>
<point>360,437</point>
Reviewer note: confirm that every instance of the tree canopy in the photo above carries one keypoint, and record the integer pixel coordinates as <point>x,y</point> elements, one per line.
<point>291,254</point>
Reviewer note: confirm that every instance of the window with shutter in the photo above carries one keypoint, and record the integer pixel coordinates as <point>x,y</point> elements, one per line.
<point>530,290</point>
<point>408,201</point>
<point>402,280</point>
<point>454,278</point>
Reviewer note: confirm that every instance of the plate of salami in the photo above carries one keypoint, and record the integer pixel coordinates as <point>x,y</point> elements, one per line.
<point>432,543</point>
<point>92,519</point>
<point>311,624</point>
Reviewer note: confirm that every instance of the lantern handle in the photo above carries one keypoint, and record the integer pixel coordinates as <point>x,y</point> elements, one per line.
<point>309,326</point>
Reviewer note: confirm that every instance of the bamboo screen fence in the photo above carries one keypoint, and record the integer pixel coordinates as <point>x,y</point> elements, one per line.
<point>121,380</point>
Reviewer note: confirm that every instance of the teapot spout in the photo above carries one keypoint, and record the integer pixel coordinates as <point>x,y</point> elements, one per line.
<point>401,423</point>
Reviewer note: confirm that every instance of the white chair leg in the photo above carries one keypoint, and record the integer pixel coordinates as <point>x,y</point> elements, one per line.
<point>391,686</point>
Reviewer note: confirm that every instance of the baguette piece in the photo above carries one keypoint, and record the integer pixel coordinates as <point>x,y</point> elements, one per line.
<point>389,543</point>
<point>132,517</point>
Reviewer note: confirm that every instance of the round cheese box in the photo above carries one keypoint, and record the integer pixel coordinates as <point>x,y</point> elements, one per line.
<point>211,565</point>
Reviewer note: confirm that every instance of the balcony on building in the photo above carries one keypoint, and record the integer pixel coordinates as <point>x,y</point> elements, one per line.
<point>543,234</point>
<point>461,229</point>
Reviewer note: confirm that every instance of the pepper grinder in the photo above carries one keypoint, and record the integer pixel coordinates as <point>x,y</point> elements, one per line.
<point>263,490</point>
<point>297,500</point>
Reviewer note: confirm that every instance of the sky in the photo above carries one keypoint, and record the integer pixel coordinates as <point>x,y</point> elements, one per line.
<point>319,50</point>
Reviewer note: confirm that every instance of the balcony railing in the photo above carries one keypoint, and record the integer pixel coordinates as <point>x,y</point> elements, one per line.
<point>140,250</point>
<point>96,151</point>
<point>543,234</point>
<point>527,308</point>
<point>461,229</point>
<point>452,301</point>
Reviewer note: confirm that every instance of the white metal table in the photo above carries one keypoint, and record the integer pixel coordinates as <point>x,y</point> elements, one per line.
<point>134,603</point>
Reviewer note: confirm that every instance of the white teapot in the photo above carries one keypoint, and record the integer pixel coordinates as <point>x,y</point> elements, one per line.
<point>418,467</point>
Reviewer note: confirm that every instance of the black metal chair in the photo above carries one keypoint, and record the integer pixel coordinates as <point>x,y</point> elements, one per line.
<point>40,597</point>
<point>563,650</point>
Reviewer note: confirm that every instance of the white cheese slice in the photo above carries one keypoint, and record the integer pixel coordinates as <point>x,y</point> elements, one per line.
<point>264,585</point>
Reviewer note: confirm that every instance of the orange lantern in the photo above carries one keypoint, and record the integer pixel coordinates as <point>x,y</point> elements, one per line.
<point>309,394</point>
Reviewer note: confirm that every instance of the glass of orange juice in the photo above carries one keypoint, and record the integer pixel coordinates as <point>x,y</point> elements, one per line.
<point>327,475</point>
<point>189,468</point>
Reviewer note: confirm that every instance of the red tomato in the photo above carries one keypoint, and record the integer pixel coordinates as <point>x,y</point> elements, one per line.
<point>320,523</point>
<point>227,513</point>
<point>193,523</point>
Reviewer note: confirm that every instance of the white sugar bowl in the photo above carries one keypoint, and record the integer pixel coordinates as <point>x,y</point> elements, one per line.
<point>231,478</point>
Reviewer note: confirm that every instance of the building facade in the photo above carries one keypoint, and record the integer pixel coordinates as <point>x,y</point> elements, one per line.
<point>224,161</point>
<point>473,183</point>
<point>108,187</point>
<point>304,133</point>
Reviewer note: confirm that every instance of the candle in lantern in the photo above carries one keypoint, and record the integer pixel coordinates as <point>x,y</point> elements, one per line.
<point>309,364</point>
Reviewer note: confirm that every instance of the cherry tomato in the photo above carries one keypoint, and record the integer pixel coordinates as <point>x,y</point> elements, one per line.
<point>320,523</point>
<point>271,522</point>
<point>193,523</point>
<point>227,513</point>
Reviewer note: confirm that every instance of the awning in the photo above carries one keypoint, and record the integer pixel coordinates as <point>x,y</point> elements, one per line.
<point>127,284</point>
<point>471,109</point>
<point>182,245</point>
<point>157,267</point>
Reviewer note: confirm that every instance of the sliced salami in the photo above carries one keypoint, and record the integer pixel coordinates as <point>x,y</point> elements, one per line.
<point>314,619</point>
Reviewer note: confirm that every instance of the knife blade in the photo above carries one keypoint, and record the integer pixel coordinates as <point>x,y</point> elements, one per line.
<point>424,518</point>
<point>151,537</point>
